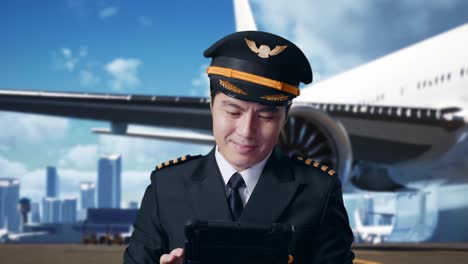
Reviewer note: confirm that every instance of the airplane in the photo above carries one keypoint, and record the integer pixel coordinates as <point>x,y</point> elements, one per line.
<point>3,235</point>
<point>374,234</point>
<point>408,107</point>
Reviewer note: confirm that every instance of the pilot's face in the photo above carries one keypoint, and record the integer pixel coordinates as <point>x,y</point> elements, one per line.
<point>245,132</point>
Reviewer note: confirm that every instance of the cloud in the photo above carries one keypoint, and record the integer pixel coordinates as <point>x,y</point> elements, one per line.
<point>108,12</point>
<point>145,21</point>
<point>88,79</point>
<point>80,157</point>
<point>33,183</point>
<point>312,26</point>
<point>201,84</point>
<point>31,128</point>
<point>337,36</point>
<point>124,72</point>
<point>145,154</point>
<point>69,62</point>
<point>4,148</point>
<point>65,60</point>
<point>66,53</point>
<point>83,52</point>
<point>134,184</point>
<point>434,4</point>
<point>11,169</point>
<point>139,157</point>
<point>69,181</point>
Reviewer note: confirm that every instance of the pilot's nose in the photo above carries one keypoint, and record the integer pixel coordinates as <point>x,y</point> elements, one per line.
<point>247,126</point>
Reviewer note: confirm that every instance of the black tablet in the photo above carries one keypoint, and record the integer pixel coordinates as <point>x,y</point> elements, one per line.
<point>233,242</point>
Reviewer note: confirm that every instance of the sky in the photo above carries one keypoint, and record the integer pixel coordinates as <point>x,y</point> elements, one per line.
<point>156,47</point>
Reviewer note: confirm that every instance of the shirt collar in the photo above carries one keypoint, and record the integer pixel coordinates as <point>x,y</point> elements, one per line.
<point>250,175</point>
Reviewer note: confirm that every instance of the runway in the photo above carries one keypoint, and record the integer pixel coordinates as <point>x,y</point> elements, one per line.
<point>365,254</point>
<point>411,253</point>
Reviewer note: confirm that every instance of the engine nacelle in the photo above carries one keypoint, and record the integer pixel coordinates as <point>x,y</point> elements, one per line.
<point>314,134</point>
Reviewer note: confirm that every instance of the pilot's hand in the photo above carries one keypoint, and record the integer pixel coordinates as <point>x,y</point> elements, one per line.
<point>175,257</point>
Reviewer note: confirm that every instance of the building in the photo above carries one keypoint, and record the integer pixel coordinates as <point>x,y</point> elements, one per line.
<point>35,215</point>
<point>52,184</point>
<point>109,188</point>
<point>132,205</point>
<point>87,198</point>
<point>69,208</point>
<point>88,195</point>
<point>9,196</point>
<point>51,210</point>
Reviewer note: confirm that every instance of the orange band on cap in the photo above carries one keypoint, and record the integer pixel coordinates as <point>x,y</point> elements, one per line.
<point>245,76</point>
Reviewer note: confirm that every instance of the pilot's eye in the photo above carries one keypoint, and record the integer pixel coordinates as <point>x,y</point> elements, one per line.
<point>266,117</point>
<point>232,113</point>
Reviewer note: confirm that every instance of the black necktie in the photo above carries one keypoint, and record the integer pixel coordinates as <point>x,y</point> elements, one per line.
<point>235,201</point>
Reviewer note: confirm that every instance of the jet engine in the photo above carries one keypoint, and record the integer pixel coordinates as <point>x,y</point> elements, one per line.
<point>314,134</point>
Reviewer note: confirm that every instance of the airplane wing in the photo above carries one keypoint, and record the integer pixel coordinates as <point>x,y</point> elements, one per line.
<point>188,113</point>
<point>373,130</point>
<point>394,134</point>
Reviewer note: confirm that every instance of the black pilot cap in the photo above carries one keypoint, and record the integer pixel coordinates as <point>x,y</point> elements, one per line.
<point>258,66</point>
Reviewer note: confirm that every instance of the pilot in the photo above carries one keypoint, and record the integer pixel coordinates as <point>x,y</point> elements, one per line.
<point>254,76</point>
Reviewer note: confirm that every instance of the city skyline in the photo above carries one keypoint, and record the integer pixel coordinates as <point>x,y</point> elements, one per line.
<point>56,208</point>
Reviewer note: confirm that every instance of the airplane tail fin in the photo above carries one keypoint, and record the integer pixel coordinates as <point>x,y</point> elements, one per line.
<point>243,15</point>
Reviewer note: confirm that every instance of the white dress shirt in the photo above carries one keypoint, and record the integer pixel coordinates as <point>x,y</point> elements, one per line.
<point>250,175</point>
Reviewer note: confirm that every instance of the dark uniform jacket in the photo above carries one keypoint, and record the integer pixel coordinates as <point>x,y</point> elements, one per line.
<point>288,191</point>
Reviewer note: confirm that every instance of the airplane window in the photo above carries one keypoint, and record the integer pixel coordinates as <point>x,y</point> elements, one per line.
<point>436,80</point>
<point>462,72</point>
<point>442,78</point>
<point>424,84</point>
<point>429,83</point>
<point>448,76</point>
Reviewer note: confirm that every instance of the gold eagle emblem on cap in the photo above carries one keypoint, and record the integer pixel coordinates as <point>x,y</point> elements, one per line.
<point>264,51</point>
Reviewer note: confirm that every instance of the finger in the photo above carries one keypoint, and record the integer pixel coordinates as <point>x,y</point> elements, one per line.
<point>166,259</point>
<point>178,252</point>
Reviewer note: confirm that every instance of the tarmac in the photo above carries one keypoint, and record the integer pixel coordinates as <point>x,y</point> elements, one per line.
<point>365,254</point>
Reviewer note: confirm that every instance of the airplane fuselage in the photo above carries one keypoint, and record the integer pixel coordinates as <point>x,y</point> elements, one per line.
<point>430,74</point>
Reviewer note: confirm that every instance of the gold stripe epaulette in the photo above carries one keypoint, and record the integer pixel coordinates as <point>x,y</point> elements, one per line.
<point>176,161</point>
<point>311,162</point>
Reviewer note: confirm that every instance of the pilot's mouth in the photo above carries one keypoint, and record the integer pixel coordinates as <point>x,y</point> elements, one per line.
<point>244,147</point>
